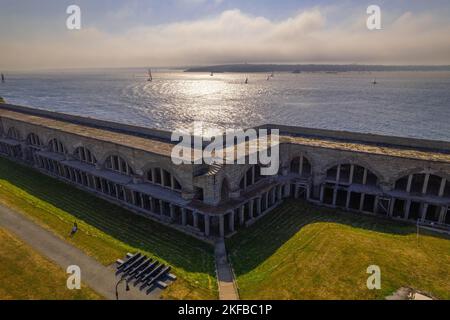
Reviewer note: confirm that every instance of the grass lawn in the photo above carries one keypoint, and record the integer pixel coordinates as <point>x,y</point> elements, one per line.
<point>26,275</point>
<point>300,251</point>
<point>106,231</point>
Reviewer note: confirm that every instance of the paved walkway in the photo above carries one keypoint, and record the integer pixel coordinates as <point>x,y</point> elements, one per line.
<point>98,277</point>
<point>227,288</point>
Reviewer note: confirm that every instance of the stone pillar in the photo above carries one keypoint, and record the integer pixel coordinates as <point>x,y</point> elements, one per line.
<point>391,207</point>
<point>442,214</point>
<point>183,216</point>
<point>424,211</point>
<point>352,170</point>
<point>347,202</point>
<point>334,196</point>
<point>117,190</point>
<point>361,202</point>
<point>280,192</point>
<point>338,174</point>
<point>258,205</point>
<point>221,226</point>
<point>163,177</point>
<point>172,182</point>
<point>152,204</point>
<point>300,169</point>
<point>133,197</point>
<point>172,212</point>
<point>408,184</point>
<point>251,209</point>
<point>442,187</point>
<point>322,191</point>
<point>95,183</point>
<point>207,224</point>
<point>195,218</point>
<point>161,207</point>
<point>407,207</point>
<point>253,175</point>
<point>231,220</point>
<point>365,176</point>
<point>142,201</point>
<point>242,215</point>
<point>425,183</point>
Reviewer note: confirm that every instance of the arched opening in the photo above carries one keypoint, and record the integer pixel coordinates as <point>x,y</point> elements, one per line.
<point>33,140</point>
<point>302,166</point>
<point>57,146</point>
<point>118,164</point>
<point>163,177</point>
<point>251,176</point>
<point>83,154</point>
<point>422,183</point>
<point>351,174</point>
<point>13,133</point>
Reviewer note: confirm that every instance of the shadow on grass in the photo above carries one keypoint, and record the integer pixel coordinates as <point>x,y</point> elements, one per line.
<point>256,244</point>
<point>176,248</point>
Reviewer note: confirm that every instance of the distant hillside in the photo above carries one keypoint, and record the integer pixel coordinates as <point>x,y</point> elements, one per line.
<point>312,68</point>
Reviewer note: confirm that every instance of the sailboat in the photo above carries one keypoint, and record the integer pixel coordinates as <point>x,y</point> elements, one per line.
<point>150,77</point>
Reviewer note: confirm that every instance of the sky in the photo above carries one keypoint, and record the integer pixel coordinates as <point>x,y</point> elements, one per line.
<point>164,33</point>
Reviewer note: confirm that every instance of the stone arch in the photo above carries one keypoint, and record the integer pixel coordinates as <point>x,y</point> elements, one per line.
<point>84,154</point>
<point>14,133</point>
<point>118,163</point>
<point>161,174</point>
<point>56,145</point>
<point>373,176</point>
<point>415,170</point>
<point>33,139</point>
<point>423,180</point>
<point>250,176</point>
<point>307,168</point>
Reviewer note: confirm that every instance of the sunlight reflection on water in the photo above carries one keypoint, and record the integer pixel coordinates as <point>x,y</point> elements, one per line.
<point>414,104</point>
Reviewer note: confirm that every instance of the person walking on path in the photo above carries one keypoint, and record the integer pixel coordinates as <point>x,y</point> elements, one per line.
<point>74,229</point>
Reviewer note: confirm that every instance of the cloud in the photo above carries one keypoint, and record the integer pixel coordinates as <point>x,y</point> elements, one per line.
<point>234,37</point>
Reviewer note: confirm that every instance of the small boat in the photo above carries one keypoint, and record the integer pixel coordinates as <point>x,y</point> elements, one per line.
<point>3,77</point>
<point>150,77</point>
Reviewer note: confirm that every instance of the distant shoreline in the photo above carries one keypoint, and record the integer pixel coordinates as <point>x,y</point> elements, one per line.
<point>299,68</point>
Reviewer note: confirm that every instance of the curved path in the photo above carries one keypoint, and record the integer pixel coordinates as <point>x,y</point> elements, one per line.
<point>98,277</point>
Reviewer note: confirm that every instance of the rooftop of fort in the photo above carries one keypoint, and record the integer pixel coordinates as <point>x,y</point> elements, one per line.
<point>158,141</point>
